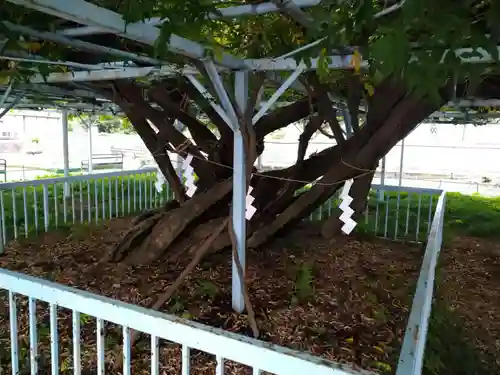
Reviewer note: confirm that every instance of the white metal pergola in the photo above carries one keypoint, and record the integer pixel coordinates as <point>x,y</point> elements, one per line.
<point>74,96</point>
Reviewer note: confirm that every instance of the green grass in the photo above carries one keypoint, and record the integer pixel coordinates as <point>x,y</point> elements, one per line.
<point>399,216</point>
<point>408,216</point>
<point>450,349</point>
<point>473,215</point>
<point>90,201</point>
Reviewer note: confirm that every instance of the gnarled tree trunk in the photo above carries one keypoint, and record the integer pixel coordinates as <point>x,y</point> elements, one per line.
<point>392,114</point>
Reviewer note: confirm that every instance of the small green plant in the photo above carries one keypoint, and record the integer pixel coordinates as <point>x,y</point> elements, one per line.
<point>176,305</point>
<point>384,368</point>
<point>81,231</point>
<point>303,283</point>
<point>111,342</point>
<point>85,319</point>
<point>43,331</point>
<point>35,140</point>
<point>207,289</point>
<point>66,362</point>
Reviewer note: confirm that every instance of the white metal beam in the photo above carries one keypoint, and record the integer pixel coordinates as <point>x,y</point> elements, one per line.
<point>80,44</point>
<point>222,94</point>
<point>239,194</point>
<point>476,103</point>
<point>336,62</point>
<point>89,14</point>
<point>111,74</point>
<point>71,107</point>
<point>208,96</point>
<point>229,12</point>
<point>54,92</point>
<point>274,98</point>
<point>467,55</point>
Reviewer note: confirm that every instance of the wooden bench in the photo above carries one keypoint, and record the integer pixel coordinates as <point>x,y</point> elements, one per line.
<point>103,161</point>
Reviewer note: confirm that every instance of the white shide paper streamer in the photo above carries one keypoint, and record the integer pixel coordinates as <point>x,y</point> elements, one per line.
<point>347,211</point>
<point>188,172</point>
<point>250,210</point>
<point>160,179</point>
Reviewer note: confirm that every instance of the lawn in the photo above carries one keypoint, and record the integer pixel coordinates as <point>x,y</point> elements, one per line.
<point>30,210</point>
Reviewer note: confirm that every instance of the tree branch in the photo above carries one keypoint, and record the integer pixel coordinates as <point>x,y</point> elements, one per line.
<point>282,117</point>
<point>169,134</point>
<point>202,136</point>
<point>326,108</point>
<point>162,158</point>
<point>354,96</point>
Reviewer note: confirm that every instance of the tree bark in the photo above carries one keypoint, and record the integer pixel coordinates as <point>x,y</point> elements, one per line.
<point>392,114</point>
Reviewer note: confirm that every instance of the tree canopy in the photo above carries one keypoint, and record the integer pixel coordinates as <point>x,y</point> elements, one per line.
<point>388,35</point>
<point>406,60</point>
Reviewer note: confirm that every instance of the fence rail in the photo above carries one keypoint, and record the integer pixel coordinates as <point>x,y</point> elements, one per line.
<point>224,345</point>
<point>30,207</point>
<point>412,352</point>
<point>392,212</point>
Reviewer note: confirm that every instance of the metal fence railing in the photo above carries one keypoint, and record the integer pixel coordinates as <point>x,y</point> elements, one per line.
<point>225,346</point>
<point>31,207</point>
<point>412,352</point>
<point>399,213</point>
<point>27,207</point>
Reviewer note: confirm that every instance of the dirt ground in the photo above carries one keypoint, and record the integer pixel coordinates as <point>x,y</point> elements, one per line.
<point>469,279</point>
<point>346,300</point>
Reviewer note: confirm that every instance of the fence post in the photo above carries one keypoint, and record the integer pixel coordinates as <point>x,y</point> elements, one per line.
<point>90,123</point>
<point>45,207</point>
<point>382,181</point>
<point>64,118</point>
<point>401,162</point>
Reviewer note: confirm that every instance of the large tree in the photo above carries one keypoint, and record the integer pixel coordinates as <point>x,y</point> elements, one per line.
<point>405,67</point>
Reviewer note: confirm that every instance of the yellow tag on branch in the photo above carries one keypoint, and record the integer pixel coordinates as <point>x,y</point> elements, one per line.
<point>356,61</point>
<point>31,46</point>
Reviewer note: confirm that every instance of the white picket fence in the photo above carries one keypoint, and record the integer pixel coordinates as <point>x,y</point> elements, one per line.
<point>92,198</point>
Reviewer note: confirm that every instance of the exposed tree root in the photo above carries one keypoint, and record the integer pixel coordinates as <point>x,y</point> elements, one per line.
<point>200,252</point>
<point>155,234</point>
<point>244,289</point>
<point>134,237</point>
<point>145,215</point>
<point>188,245</point>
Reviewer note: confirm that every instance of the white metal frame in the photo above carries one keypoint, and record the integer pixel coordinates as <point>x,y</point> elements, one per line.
<point>411,355</point>
<point>95,19</point>
<point>260,356</point>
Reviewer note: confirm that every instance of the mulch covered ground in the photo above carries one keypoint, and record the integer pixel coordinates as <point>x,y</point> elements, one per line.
<point>469,279</point>
<point>346,300</point>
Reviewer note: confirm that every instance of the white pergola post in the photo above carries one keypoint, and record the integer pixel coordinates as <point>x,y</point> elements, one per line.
<point>90,147</point>
<point>64,121</point>
<point>239,194</point>
<point>401,162</point>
